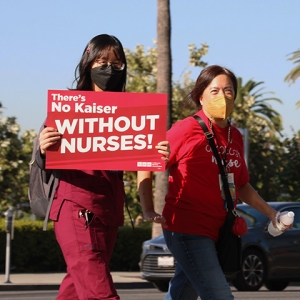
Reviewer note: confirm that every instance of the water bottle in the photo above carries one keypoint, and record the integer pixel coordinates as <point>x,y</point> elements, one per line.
<point>283,221</point>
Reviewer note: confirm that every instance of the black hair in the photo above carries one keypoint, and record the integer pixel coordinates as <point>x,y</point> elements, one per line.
<point>95,48</point>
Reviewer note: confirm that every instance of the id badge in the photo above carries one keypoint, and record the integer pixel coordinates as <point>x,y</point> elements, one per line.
<point>230,179</point>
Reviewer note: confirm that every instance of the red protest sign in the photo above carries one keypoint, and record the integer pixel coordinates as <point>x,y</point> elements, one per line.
<point>106,131</point>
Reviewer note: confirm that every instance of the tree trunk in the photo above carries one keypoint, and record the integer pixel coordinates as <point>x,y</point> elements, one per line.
<point>164,85</point>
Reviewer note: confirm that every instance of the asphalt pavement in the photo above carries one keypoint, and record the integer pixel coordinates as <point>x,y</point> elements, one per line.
<point>51,281</point>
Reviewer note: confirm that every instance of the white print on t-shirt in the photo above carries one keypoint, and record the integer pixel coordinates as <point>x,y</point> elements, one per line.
<point>222,150</point>
<point>231,152</point>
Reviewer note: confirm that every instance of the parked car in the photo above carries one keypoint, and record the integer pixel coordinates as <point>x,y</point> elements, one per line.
<point>268,260</point>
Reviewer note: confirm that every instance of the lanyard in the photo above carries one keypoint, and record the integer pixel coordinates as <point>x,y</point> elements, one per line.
<point>224,154</point>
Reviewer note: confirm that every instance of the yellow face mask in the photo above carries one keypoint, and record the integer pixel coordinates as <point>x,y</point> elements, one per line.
<point>220,107</point>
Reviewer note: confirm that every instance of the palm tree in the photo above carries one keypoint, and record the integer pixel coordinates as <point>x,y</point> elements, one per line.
<point>253,110</point>
<point>294,74</point>
<point>164,85</point>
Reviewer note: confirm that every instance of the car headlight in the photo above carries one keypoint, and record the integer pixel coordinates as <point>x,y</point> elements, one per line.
<point>146,246</point>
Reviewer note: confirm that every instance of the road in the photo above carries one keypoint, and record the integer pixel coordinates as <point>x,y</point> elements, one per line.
<point>290,293</point>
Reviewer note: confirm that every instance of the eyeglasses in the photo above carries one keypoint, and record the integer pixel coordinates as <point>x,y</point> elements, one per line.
<point>118,66</point>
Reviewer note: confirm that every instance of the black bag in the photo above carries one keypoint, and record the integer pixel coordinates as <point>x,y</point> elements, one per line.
<point>229,245</point>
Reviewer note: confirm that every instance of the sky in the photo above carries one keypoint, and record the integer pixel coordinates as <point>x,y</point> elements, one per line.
<point>41,43</point>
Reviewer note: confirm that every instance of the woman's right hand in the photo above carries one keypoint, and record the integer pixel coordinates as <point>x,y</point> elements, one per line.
<point>48,137</point>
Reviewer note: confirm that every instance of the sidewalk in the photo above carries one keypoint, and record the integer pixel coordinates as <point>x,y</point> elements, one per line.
<point>51,281</point>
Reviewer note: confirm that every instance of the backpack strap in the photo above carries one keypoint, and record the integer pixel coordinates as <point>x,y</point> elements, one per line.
<point>55,175</point>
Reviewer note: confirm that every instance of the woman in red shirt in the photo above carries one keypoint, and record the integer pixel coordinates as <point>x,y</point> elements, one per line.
<point>195,208</point>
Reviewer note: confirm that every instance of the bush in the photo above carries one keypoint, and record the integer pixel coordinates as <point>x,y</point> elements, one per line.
<point>34,250</point>
<point>128,248</point>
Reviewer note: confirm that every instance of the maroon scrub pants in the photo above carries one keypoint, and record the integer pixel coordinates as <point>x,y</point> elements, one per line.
<point>87,252</point>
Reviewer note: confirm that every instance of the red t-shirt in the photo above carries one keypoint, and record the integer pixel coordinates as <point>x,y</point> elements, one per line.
<point>194,204</point>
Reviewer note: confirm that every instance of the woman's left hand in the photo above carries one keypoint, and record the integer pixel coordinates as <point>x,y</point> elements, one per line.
<point>164,148</point>
<point>273,217</point>
<point>274,221</point>
<point>156,218</point>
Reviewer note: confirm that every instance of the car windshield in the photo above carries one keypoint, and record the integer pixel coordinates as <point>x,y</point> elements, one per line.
<point>253,217</point>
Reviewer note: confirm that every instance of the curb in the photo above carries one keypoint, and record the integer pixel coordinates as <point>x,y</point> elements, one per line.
<point>50,287</point>
<point>28,287</point>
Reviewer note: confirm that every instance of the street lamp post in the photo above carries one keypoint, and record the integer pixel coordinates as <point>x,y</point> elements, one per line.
<point>9,216</point>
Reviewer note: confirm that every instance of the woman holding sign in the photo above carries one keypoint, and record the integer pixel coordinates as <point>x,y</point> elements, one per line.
<point>195,208</point>
<point>88,204</point>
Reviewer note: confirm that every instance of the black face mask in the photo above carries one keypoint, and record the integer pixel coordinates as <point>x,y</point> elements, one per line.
<point>106,79</point>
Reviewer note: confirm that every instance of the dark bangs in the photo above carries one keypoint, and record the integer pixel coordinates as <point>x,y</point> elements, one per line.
<point>106,52</point>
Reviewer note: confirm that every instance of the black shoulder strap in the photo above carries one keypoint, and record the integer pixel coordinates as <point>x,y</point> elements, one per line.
<point>55,175</point>
<point>210,138</point>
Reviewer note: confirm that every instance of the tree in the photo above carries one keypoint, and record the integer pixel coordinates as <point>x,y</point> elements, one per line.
<point>254,112</point>
<point>183,86</point>
<point>15,154</point>
<point>142,76</point>
<point>294,74</point>
<point>164,85</point>
<point>290,168</point>
<point>252,109</point>
<point>142,69</point>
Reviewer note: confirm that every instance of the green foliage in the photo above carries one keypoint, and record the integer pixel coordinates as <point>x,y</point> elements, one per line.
<point>294,74</point>
<point>15,154</point>
<point>128,248</point>
<point>142,69</point>
<point>273,164</point>
<point>265,161</point>
<point>196,55</point>
<point>131,193</point>
<point>35,250</point>
<point>253,111</point>
<point>267,156</point>
<point>290,168</point>
<point>182,106</point>
<point>32,249</point>
<point>142,76</point>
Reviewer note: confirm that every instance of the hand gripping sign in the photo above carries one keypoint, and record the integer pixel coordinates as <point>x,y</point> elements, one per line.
<point>106,131</point>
